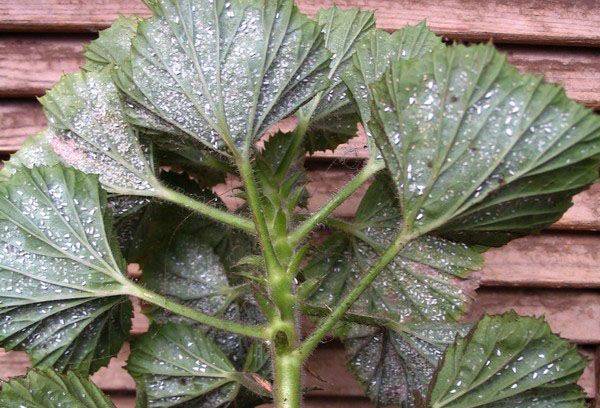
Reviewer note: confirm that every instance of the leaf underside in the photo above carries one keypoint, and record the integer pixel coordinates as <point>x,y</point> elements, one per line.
<point>420,284</point>
<point>222,72</point>
<point>509,361</point>
<point>335,118</point>
<point>60,271</point>
<point>395,365</point>
<point>47,389</point>
<point>373,56</point>
<point>478,150</point>
<point>88,131</point>
<point>177,365</point>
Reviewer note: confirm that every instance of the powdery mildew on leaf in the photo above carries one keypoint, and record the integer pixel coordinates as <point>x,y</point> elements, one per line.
<point>419,284</point>
<point>509,361</point>
<point>89,132</point>
<point>333,115</point>
<point>395,363</point>
<point>176,364</point>
<point>372,58</point>
<point>223,70</point>
<point>468,139</point>
<point>45,388</point>
<point>60,290</point>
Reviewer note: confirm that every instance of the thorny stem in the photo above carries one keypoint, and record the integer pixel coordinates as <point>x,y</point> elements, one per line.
<point>217,214</point>
<point>257,332</point>
<point>369,170</point>
<point>309,345</point>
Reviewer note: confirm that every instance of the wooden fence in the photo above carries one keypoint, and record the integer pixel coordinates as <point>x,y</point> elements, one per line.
<point>556,273</point>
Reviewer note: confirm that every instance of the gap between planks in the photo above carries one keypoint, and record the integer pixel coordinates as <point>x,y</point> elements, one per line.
<point>539,22</point>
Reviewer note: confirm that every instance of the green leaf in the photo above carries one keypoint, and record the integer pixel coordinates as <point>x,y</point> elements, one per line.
<point>88,131</point>
<point>47,389</point>
<point>477,149</point>
<point>223,72</point>
<point>112,46</point>
<point>177,365</point>
<point>509,361</point>
<point>395,364</point>
<point>373,57</point>
<point>333,115</point>
<point>420,284</point>
<point>61,281</point>
<point>35,151</point>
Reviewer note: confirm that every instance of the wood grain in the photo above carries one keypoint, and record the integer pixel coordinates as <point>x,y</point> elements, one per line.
<point>32,64</point>
<point>521,21</point>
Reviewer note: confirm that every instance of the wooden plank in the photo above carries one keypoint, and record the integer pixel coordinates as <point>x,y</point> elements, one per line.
<point>547,260</point>
<point>521,21</point>
<point>32,64</point>
<point>571,313</point>
<point>19,119</point>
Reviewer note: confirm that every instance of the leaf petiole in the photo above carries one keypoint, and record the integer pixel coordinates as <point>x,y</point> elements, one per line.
<point>258,332</point>
<point>223,216</point>
<point>369,170</point>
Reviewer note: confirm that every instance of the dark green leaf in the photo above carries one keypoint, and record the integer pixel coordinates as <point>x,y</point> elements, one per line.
<point>509,361</point>
<point>395,363</point>
<point>333,115</point>
<point>373,57</point>
<point>60,273</point>
<point>177,365</point>
<point>112,46</point>
<point>88,131</point>
<point>223,71</point>
<point>47,389</point>
<point>477,149</point>
<point>420,284</point>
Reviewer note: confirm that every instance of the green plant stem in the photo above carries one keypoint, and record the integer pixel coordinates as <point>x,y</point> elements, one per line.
<point>140,292</point>
<point>309,345</point>
<point>369,170</point>
<point>287,390</point>
<point>216,214</point>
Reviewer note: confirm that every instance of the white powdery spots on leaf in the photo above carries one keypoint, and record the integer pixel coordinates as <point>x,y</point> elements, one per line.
<point>57,272</point>
<point>220,70</point>
<point>88,131</point>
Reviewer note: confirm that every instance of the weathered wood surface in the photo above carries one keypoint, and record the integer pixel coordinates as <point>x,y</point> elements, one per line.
<point>521,21</point>
<point>32,64</point>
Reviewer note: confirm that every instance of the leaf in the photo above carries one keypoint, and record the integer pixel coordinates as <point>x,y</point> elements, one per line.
<point>509,361</point>
<point>333,115</point>
<point>223,72</point>
<point>88,131</point>
<point>47,389</point>
<point>419,284</point>
<point>177,365</point>
<point>35,151</point>
<point>61,280</point>
<point>373,57</point>
<point>112,49</point>
<point>112,46</point>
<point>478,150</point>
<point>396,364</point>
